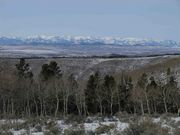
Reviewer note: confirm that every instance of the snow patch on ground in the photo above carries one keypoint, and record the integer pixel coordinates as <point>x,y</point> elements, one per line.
<point>93,123</point>
<point>177,119</point>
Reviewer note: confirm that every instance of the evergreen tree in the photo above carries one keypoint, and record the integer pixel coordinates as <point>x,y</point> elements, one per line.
<point>90,93</point>
<point>50,70</point>
<point>124,93</point>
<point>110,91</point>
<point>50,86</point>
<point>23,69</point>
<point>22,91</point>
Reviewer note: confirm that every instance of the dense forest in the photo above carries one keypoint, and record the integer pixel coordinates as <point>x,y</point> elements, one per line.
<point>51,94</point>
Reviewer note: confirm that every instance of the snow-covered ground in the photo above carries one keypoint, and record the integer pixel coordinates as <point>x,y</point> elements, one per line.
<point>90,125</point>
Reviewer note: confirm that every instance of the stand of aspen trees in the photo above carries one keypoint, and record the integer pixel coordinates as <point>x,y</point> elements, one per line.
<point>52,94</point>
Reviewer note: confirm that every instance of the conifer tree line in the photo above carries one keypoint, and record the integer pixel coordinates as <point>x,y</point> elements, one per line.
<point>53,95</point>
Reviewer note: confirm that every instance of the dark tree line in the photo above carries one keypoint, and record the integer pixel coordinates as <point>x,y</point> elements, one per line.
<point>53,95</point>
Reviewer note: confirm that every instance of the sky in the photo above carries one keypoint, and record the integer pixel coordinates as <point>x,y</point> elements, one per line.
<point>156,19</point>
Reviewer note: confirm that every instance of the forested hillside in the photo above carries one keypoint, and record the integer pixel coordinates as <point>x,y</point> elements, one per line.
<point>52,92</point>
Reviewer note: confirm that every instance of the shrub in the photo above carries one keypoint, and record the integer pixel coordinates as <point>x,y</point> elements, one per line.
<point>38,128</point>
<point>10,125</point>
<point>173,123</point>
<point>31,122</point>
<point>146,127</point>
<point>6,133</point>
<point>75,130</point>
<point>55,130</point>
<point>121,114</point>
<point>50,124</point>
<point>167,116</point>
<point>52,128</point>
<point>104,129</point>
<point>125,117</point>
<point>90,133</point>
<point>5,127</point>
<point>74,118</point>
<point>177,131</point>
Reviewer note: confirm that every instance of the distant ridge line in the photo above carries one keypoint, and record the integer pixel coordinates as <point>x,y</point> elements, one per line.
<point>91,57</point>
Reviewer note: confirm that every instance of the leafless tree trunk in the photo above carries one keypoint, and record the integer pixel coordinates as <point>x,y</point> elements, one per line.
<point>4,107</point>
<point>44,107</point>
<point>12,107</point>
<point>142,107</point>
<point>164,101</point>
<point>111,105</point>
<point>147,102</point>
<point>78,104</point>
<point>36,106</point>
<point>57,106</point>
<point>41,104</point>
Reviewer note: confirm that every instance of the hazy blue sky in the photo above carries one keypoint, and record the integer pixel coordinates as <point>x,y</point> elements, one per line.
<point>158,19</point>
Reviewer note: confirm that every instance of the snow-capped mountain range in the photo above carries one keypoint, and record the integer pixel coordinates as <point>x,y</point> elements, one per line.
<point>82,40</point>
<point>68,46</point>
